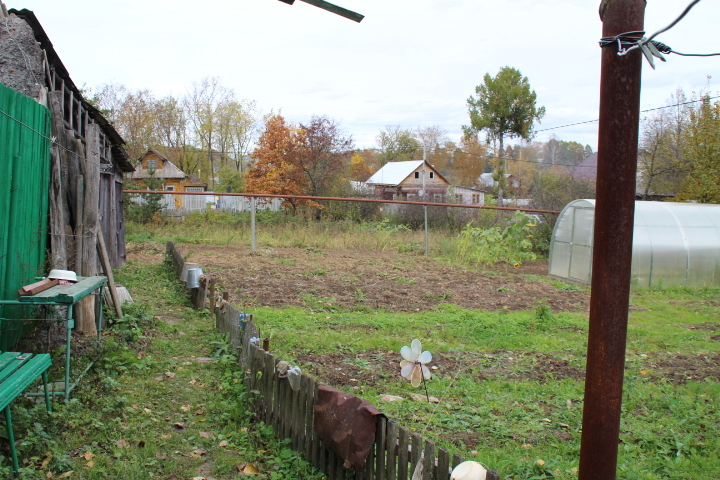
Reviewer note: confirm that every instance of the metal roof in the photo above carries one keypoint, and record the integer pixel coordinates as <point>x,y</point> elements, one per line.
<point>393,173</point>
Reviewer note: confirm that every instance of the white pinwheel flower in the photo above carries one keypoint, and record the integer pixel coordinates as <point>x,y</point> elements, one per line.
<point>413,366</point>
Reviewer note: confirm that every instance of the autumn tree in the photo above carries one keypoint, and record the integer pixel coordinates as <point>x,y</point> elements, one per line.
<point>470,161</point>
<point>360,169</point>
<point>275,169</point>
<point>135,122</point>
<point>701,151</point>
<point>204,104</point>
<point>323,153</point>
<point>504,107</point>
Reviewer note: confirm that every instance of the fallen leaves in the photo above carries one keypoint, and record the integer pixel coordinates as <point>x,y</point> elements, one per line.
<point>248,469</point>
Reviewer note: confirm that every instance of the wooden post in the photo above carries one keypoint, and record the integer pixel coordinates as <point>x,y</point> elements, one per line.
<point>58,246</point>
<point>91,224</point>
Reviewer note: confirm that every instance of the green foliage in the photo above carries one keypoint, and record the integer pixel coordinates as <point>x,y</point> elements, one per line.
<point>229,179</point>
<point>143,207</point>
<point>504,106</point>
<point>511,245</point>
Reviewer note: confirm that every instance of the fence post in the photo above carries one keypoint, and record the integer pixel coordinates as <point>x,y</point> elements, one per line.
<point>252,224</point>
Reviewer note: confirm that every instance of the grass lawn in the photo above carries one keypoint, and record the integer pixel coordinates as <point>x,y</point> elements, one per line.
<point>164,401</point>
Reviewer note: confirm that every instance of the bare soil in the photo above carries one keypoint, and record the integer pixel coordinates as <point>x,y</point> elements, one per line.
<point>393,282</point>
<point>406,283</point>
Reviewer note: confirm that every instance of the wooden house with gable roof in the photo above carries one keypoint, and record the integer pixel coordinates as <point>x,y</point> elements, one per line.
<point>410,180</point>
<point>154,165</point>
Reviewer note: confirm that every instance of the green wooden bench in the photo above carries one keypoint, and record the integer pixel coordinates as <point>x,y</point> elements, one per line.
<point>17,372</point>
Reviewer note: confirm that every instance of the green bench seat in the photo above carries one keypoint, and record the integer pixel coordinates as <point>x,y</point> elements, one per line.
<point>17,372</point>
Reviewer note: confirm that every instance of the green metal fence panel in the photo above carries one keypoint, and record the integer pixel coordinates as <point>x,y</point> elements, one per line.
<point>24,185</point>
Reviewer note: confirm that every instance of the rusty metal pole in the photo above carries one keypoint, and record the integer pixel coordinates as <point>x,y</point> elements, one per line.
<point>612,243</point>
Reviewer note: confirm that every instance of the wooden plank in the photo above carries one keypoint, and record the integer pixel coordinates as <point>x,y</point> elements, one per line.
<point>457,460</point>
<point>109,274</point>
<point>25,372</point>
<point>391,449</point>
<point>403,453</point>
<point>380,454</point>
<point>443,464</point>
<point>310,393</point>
<point>270,396</point>
<point>429,471</point>
<point>415,450</point>
<point>37,287</point>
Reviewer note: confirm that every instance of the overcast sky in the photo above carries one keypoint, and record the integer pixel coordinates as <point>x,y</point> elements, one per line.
<point>408,63</point>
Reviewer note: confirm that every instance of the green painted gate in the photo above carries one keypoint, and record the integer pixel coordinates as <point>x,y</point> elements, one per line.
<point>24,183</point>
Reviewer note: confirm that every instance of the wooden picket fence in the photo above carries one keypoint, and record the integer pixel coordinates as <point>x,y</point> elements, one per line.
<point>397,449</point>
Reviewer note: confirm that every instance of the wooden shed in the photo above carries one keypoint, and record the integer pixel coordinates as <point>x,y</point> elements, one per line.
<point>80,182</point>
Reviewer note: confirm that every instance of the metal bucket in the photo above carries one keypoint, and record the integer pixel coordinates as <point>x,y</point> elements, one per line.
<point>187,266</point>
<point>193,277</point>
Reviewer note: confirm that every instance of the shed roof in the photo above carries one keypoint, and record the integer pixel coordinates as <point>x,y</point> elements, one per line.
<point>54,59</point>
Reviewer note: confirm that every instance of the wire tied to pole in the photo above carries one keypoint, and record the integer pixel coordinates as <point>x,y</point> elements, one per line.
<point>650,48</point>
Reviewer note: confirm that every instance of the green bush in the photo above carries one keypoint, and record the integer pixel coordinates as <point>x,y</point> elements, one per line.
<point>512,245</point>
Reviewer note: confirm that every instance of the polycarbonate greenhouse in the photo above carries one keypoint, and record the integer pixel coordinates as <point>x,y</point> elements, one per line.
<point>673,244</point>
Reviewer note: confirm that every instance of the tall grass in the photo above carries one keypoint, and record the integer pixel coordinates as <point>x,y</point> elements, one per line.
<point>282,229</point>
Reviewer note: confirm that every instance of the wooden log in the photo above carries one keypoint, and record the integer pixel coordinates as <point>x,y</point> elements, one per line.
<point>105,260</point>
<point>91,224</point>
<point>58,221</point>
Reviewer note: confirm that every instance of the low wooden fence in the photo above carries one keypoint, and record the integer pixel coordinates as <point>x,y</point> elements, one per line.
<point>394,455</point>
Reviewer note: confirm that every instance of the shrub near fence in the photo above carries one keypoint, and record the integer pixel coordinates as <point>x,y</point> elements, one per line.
<point>396,451</point>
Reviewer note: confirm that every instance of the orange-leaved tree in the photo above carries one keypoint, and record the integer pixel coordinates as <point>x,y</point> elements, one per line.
<point>275,169</point>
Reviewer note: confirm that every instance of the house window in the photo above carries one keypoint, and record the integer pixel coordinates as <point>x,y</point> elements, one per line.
<point>194,189</point>
<point>169,188</point>
<point>476,199</point>
<point>417,174</point>
<point>152,164</point>
<point>432,174</point>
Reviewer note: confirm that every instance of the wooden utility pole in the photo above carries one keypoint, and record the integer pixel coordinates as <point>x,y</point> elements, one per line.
<point>612,243</point>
